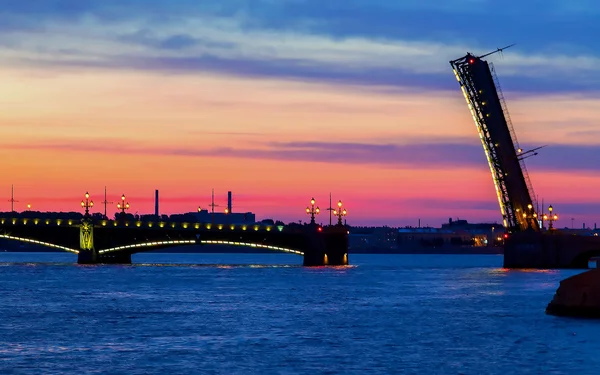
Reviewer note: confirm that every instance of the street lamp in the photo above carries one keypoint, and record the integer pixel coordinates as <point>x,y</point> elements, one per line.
<point>28,206</point>
<point>312,211</point>
<point>87,204</point>
<point>550,217</point>
<point>123,205</point>
<point>340,212</point>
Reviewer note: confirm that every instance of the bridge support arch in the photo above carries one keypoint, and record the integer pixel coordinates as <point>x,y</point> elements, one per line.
<point>320,246</point>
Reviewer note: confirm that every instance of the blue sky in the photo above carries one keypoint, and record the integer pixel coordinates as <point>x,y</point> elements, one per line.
<point>366,42</point>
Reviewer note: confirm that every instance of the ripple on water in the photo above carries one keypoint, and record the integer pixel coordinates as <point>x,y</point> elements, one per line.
<point>264,313</point>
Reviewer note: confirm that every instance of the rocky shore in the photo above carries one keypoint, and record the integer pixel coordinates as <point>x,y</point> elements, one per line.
<point>577,296</point>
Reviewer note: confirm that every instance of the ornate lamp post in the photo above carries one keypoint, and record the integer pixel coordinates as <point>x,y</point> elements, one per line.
<point>87,204</point>
<point>340,212</point>
<point>312,211</point>
<point>550,217</point>
<point>123,205</point>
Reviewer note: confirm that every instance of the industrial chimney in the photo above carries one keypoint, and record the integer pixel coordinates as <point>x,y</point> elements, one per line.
<point>229,201</point>
<point>156,203</point>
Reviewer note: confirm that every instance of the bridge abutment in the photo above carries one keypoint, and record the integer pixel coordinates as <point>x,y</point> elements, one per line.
<point>544,250</point>
<point>326,246</point>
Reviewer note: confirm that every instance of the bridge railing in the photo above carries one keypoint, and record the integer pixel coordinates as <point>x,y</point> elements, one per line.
<point>158,225</point>
<point>188,225</point>
<point>38,221</point>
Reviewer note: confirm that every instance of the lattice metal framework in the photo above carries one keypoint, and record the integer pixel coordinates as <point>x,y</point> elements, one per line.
<point>489,112</point>
<point>86,235</point>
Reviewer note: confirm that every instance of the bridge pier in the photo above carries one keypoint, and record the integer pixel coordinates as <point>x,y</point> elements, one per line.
<point>87,253</point>
<point>87,257</point>
<point>326,246</point>
<point>544,250</point>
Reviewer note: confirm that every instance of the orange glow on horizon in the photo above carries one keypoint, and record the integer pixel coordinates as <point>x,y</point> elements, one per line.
<point>65,133</point>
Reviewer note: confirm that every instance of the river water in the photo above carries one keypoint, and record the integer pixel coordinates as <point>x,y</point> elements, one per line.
<point>265,314</point>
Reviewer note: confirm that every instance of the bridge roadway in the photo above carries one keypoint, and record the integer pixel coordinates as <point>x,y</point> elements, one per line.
<point>111,241</point>
<point>549,249</point>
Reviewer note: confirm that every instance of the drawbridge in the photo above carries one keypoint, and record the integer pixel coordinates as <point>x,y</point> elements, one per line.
<point>528,244</point>
<point>481,89</point>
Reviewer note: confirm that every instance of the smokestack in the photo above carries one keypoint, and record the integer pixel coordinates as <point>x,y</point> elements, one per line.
<point>156,203</point>
<point>229,201</point>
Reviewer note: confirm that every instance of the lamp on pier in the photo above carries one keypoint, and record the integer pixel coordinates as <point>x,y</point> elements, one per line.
<point>87,203</point>
<point>123,205</point>
<point>340,212</point>
<point>550,217</point>
<point>312,211</point>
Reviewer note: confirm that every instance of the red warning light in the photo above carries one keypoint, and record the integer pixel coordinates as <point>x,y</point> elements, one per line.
<point>320,229</point>
<point>471,61</point>
<point>505,235</point>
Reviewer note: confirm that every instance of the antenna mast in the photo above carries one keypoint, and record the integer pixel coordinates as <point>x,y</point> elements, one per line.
<point>213,205</point>
<point>105,203</point>
<point>496,51</point>
<point>12,198</point>
<point>330,209</point>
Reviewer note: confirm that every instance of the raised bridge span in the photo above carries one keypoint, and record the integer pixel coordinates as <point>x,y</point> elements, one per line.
<point>114,241</point>
<point>528,244</point>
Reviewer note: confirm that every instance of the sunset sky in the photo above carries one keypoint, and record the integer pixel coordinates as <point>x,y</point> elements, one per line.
<point>279,101</point>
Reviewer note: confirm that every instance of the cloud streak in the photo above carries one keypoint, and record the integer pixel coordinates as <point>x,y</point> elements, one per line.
<point>429,155</point>
<point>308,41</point>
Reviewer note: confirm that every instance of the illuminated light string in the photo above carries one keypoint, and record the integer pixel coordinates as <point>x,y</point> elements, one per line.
<point>150,224</point>
<point>158,243</point>
<point>204,242</point>
<point>39,243</point>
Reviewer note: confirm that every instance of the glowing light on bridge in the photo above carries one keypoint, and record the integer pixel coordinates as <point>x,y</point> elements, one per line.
<point>203,242</point>
<point>550,218</point>
<point>87,204</point>
<point>340,212</point>
<point>312,210</point>
<point>254,245</point>
<point>123,205</point>
<point>47,244</point>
